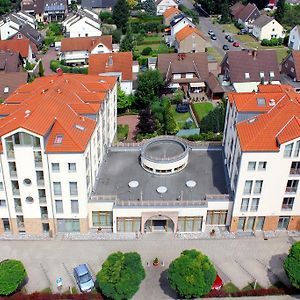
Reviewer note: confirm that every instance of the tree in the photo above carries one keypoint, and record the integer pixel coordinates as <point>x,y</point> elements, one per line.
<point>116,36</point>
<point>41,69</point>
<point>261,4</point>
<point>127,44</point>
<point>124,101</point>
<point>121,14</point>
<point>147,122</point>
<point>105,16</point>
<point>191,274</point>
<point>279,13</point>
<point>132,3</point>
<point>12,274</point>
<point>225,17</point>
<point>149,84</point>
<point>150,7</point>
<point>292,265</point>
<point>121,275</point>
<point>5,6</point>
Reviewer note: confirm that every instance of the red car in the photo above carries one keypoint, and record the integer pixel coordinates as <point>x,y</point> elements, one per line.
<point>218,283</point>
<point>236,44</point>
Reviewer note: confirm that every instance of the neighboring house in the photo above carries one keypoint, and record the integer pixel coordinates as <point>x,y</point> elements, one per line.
<point>294,38</point>
<point>163,5</point>
<point>54,136</point>
<point>118,64</point>
<point>261,149</point>
<point>83,23</point>
<point>190,39</point>
<point>169,14</point>
<point>266,27</point>
<point>246,15</point>
<point>20,46</point>
<point>245,70</point>
<point>78,50</point>
<point>291,65</point>
<point>10,61</point>
<point>152,63</point>
<point>98,5</point>
<point>236,8</point>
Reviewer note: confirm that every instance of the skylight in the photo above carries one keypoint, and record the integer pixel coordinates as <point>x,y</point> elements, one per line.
<point>6,90</point>
<point>272,74</point>
<point>79,127</point>
<point>247,75</point>
<point>261,101</point>
<point>58,139</point>
<point>261,74</point>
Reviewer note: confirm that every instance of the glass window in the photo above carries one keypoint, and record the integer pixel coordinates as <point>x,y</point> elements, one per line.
<point>287,203</point>
<point>17,139</point>
<point>102,218</point>
<point>189,224</point>
<point>283,223</point>
<point>216,217</point>
<point>254,204</point>
<point>74,207</point>
<point>245,204</point>
<point>260,223</point>
<point>262,165</point>
<point>57,188</point>
<point>6,224</point>
<point>241,223</point>
<point>59,206</point>
<point>258,186</point>
<point>291,186</point>
<point>55,167</point>
<point>1,186</point>
<point>248,187</point>
<point>72,167</point>
<point>128,224</point>
<point>2,202</point>
<point>68,225</point>
<point>26,139</point>
<point>288,150</point>
<point>73,188</point>
<point>250,223</point>
<point>251,165</point>
<point>295,168</point>
<point>297,149</point>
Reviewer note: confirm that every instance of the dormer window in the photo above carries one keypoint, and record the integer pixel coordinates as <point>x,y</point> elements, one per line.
<point>261,101</point>
<point>247,75</point>
<point>261,74</point>
<point>58,139</point>
<point>6,90</point>
<point>272,74</point>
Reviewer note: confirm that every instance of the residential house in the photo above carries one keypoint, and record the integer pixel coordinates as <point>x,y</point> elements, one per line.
<point>83,23</point>
<point>245,70</point>
<point>54,136</point>
<point>163,5</point>
<point>236,8</point>
<point>118,64</point>
<point>190,39</point>
<point>246,15</point>
<point>294,38</point>
<point>261,148</point>
<point>78,50</point>
<point>169,14</point>
<point>266,27</point>
<point>291,65</point>
<point>98,5</point>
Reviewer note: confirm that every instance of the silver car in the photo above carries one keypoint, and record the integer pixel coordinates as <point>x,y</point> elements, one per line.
<point>84,278</point>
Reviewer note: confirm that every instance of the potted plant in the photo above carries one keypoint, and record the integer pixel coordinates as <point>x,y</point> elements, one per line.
<point>155,262</point>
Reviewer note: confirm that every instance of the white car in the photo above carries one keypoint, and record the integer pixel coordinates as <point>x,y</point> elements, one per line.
<point>210,32</point>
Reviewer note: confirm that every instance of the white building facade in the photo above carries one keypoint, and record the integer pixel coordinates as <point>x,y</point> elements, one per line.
<point>272,29</point>
<point>163,5</point>
<point>294,38</point>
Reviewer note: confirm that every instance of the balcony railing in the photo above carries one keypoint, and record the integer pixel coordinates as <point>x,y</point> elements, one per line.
<point>40,181</point>
<point>11,154</point>
<point>42,199</point>
<point>13,173</point>
<point>16,192</point>
<point>287,206</point>
<point>44,216</point>
<point>291,189</point>
<point>18,209</point>
<point>38,164</point>
<point>295,171</point>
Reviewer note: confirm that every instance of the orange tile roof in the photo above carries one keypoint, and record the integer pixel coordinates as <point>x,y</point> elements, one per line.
<point>21,46</point>
<point>278,124</point>
<point>187,31</point>
<point>170,11</point>
<point>112,62</point>
<point>53,104</point>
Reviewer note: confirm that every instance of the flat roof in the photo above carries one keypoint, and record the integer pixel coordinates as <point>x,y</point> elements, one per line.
<point>205,167</point>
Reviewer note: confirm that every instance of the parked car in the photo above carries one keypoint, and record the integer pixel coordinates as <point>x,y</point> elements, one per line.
<point>213,37</point>
<point>236,44</point>
<point>210,32</point>
<point>242,32</point>
<point>218,283</point>
<point>83,278</point>
<point>230,39</point>
<point>225,47</point>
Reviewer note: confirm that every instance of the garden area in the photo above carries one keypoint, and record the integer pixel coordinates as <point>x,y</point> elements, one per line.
<point>53,33</point>
<point>183,119</point>
<point>54,64</point>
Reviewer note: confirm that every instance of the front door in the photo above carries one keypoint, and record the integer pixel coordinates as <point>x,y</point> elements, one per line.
<point>159,225</point>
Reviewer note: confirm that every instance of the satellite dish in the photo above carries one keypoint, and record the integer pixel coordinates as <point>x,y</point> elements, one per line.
<point>161,189</point>
<point>191,184</point>
<point>133,184</point>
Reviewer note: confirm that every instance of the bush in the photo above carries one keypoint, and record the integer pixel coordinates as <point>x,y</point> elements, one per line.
<point>121,275</point>
<point>272,42</point>
<point>105,16</point>
<point>122,132</point>
<point>54,64</point>
<point>209,137</point>
<point>147,51</point>
<point>12,274</point>
<point>292,265</point>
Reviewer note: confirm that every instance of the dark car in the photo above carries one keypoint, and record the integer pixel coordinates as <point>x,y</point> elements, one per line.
<point>225,47</point>
<point>242,32</point>
<point>213,37</point>
<point>230,39</point>
<point>84,278</point>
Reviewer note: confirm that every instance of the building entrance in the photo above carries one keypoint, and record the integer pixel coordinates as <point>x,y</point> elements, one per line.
<point>159,224</point>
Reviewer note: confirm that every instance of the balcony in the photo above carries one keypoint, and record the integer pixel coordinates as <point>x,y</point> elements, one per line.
<point>18,209</point>
<point>13,173</point>
<point>38,163</point>
<point>16,192</point>
<point>294,171</point>
<point>287,207</point>
<point>42,200</point>
<point>40,181</point>
<point>291,189</point>
<point>44,216</point>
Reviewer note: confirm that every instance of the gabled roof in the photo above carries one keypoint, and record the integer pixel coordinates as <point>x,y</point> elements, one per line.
<point>187,31</point>
<point>119,62</point>
<point>32,34</point>
<point>48,107</point>
<point>10,61</point>
<point>171,11</point>
<point>295,55</point>
<point>21,46</point>
<point>157,2</point>
<point>247,11</point>
<point>85,43</point>
<point>98,3</point>
<point>236,8</point>
<point>12,81</point>
<point>262,21</point>
<point>178,18</point>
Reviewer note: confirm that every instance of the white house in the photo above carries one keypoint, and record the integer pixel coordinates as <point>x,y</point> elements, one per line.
<point>54,135</point>
<point>265,27</point>
<point>294,38</point>
<point>261,148</point>
<point>83,23</point>
<point>77,50</point>
<point>163,5</point>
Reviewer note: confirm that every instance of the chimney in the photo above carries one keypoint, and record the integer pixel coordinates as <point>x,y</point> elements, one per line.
<point>254,54</point>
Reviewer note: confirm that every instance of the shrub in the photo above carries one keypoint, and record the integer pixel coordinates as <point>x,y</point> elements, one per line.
<point>147,51</point>
<point>122,132</point>
<point>12,274</point>
<point>292,265</point>
<point>54,64</point>
<point>272,42</point>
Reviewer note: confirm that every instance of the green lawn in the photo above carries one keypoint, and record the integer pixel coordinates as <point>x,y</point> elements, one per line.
<point>202,109</point>
<point>230,28</point>
<point>213,52</point>
<point>181,117</point>
<point>230,288</point>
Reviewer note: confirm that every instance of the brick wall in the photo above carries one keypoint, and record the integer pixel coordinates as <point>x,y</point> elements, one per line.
<point>234,224</point>
<point>271,223</point>
<point>294,223</point>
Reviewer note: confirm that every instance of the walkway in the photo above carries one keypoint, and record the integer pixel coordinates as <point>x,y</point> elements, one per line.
<point>46,58</point>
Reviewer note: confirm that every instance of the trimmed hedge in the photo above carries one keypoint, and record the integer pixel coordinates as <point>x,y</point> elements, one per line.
<point>54,64</point>
<point>272,42</point>
<point>12,274</point>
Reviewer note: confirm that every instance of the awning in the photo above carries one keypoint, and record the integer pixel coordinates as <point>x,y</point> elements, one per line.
<point>197,84</point>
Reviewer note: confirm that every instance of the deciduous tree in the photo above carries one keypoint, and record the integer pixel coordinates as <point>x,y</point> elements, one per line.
<point>121,14</point>
<point>292,265</point>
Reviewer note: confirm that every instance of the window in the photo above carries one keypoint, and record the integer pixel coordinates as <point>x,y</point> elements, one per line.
<point>247,75</point>
<point>18,205</point>
<point>248,187</point>
<point>57,188</point>
<point>59,206</point>
<point>261,74</point>
<point>6,90</point>
<point>68,225</point>
<point>2,202</point>
<point>297,149</point>
<point>1,186</point>
<point>55,167</point>
<point>6,224</point>
<point>258,186</point>
<point>262,165</point>
<point>73,188</point>
<point>251,165</point>
<point>245,204</point>
<point>216,217</point>
<point>283,223</point>
<point>295,168</point>
<point>189,224</point>
<point>254,204</point>
<point>102,218</point>
<point>261,101</point>
<point>72,167</point>
<point>287,203</point>
<point>288,150</point>
<point>272,74</point>
<point>74,207</point>
<point>291,186</point>
<point>58,139</point>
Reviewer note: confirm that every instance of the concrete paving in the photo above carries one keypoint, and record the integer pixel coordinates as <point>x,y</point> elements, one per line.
<point>238,260</point>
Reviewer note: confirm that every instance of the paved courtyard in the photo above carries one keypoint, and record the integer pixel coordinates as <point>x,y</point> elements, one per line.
<point>240,260</point>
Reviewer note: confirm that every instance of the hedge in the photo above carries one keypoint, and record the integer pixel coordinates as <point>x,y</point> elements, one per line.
<point>54,64</point>
<point>272,42</point>
<point>12,274</point>
<point>47,296</point>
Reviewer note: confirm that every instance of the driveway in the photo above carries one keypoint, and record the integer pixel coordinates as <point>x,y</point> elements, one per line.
<point>235,260</point>
<point>46,58</point>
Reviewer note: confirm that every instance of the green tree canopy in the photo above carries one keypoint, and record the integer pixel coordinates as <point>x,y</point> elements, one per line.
<point>147,122</point>
<point>127,43</point>
<point>149,84</point>
<point>191,274</point>
<point>5,6</point>
<point>292,265</point>
<point>124,101</point>
<point>121,275</point>
<point>280,11</point>
<point>121,14</point>
<point>41,69</point>
<point>12,274</point>
<point>150,7</point>
<point>225,16</point>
